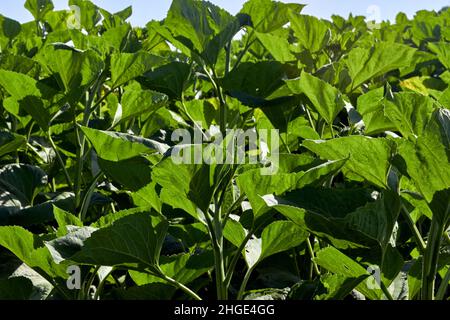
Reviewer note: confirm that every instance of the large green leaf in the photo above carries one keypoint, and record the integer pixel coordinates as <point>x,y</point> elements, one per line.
<point>267,16</point>
<point>183,268</point>
<point>10,142</point>
<point>338,263</point>
<point>255,185</point>
<point>409,112</point>
<point>89,14</point>
<point>202,27</point>
<point>346,218</point>
<point>427,157</point>
<point>39,8</point>
<point>17,288</point>
<point>369,158</point>
<point>371,107</point>
<point>117,146</point>
<point>21,182</point>
<point>134,241</point>
<point>30,249</point>
<point>312,33</point>
<point>366,63</point>
<point>10,29</point>
<point>127,66</point>
<point>187,186</point>
<point>252,83</point>
<point>442,49</point>
<point>73,68</point>
<point>277,237</point>
<point>170,78</point>
<point>326,99</point>
<point>278,45</point>
<point>136,101</point>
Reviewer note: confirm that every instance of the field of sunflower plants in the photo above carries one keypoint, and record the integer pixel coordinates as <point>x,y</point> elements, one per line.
<point>113,183</point>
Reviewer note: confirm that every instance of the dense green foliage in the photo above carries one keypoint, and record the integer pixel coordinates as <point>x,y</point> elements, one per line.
<point>88,104</point>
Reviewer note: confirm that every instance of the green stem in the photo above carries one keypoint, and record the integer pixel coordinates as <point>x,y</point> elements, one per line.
<point>101,285</point>
<point>236,257</point>
<point>60,160</point>
<point>440,295</point>
<point>244,283</point>
<point>87,197</point>
<point>386,291</point>
<point>311,253</point>
<point>180,286</point>
<point>430,259</point>
<point>421,246</point>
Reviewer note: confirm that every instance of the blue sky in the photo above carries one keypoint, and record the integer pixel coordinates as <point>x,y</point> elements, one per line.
<point>146,10</point>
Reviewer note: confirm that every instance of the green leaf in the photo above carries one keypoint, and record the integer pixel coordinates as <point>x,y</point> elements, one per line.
<point>278,45</point>
<point>442,49</point>
<point>127,66</point>
<point>10,29</point>
<point>73,68</point>
<point>251,82</point>
<point>277,237</point>
<point>234,232</point>
<point>184,268</point>
<point>427,157</point>
<point>15,289</point>
<point>267,16</point>
<point>21,182</point>
<point>170,79</point>
<point>186,186</point>
<point>133,174</point>
<point>255,185</point>
<point>366,63</point>
<point>312,33</point>
<point>89,13</point>
<point>65,219</point>
<point>134,241</point>
<point>409,112</point>
<point>369,158</point>
<point>39,8</point>
<point>136,101</point>
<point>29,249</point>
<point>338,263</point>
<point>202,27</point>
<point>117,146</point>
<point>64,247</point>
<point>339,286</point>
<point>10,142</point>
<point>346,218</point>
<point>371,108</point>
<point>326,99</point>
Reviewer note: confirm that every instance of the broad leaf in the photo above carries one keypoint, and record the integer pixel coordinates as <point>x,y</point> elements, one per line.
<point>369,158</point>
<point>326,99</point>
